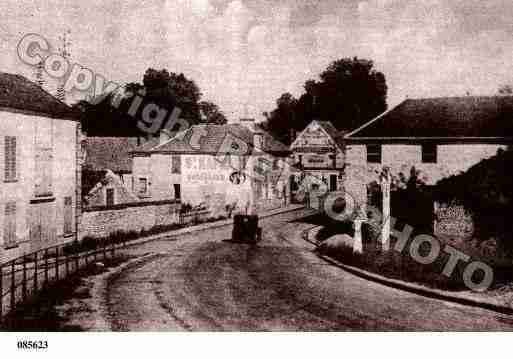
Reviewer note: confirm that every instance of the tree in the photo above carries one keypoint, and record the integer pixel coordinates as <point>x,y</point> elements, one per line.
<point>160,87</point>
<point>350,92</point>
<point>280,121</point>
<point>486,191</point>
<point>211,113</point>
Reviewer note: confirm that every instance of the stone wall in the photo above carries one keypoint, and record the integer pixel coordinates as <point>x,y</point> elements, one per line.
<point>102,221</point>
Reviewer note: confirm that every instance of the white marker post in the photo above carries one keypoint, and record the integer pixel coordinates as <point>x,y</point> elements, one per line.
<point>385,190</point>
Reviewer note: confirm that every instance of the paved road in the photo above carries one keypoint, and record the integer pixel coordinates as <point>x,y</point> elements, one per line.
<point>201,282</point>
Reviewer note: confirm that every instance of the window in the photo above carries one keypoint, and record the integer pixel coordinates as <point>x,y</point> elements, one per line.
<point>68,215</point>
<point>143,185</point>
<point>10,225</point>
<point>109,196</point>
<point>176,164</point>
<point>374,153</point>
<point>43,181</point>
<point>10,159</point>
<point>429,153</point>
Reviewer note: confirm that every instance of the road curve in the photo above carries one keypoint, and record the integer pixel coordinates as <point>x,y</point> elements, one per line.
<point>201,282</point>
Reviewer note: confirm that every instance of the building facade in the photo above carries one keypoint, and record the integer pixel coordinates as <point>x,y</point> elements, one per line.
<point>318,151</point>
<point>436,138</point>
<point>224,168</point>
<point>39,167</point>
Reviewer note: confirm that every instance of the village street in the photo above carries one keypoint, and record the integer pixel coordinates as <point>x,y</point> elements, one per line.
<point>201,282</point>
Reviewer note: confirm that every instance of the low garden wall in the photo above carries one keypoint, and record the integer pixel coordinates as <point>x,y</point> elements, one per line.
<point>99,222</point>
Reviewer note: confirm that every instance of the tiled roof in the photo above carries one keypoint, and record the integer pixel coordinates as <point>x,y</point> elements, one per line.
<point>211,138</point>
<point>109,153</point>
<point>16,92</point>
<point>453,117</point>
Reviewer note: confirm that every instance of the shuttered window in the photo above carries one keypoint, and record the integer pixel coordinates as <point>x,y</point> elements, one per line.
<point>109,196</point>
<point>68,215</point>
<point>10,225</point>
<point>10,158</point>
<point>43,172</point>
<point>374,153</point>
<point>143,186</point>
<point>176,164</point>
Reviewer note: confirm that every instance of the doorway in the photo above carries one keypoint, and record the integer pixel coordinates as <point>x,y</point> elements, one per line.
<point>333,183</point>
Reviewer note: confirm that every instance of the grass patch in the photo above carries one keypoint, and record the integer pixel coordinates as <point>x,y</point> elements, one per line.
<point>400,265</point>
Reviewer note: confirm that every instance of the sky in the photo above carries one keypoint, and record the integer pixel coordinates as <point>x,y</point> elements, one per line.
<point>244,54</point>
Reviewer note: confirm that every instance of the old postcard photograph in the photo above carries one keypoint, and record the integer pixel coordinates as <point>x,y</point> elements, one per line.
<point>255,166</point>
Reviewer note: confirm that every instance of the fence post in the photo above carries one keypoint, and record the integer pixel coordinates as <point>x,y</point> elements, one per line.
<point>13,286</point>
<point>104,252</point>
<point>46,267</point>
<point>24,283</point>
<point>57,263</point>
<point>35,272</point>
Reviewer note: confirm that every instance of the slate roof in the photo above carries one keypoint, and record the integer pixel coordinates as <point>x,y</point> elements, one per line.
<point>16,92</point>
<point>211,140</point>
<point>109,153</point>
<point>451,117</point>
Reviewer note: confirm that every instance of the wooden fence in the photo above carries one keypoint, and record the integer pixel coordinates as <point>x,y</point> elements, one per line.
<point>25,276</point>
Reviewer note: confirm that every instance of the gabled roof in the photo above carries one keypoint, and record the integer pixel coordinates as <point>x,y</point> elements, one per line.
<point>211,139</point>
<point>109,153</point>
<point>123,195</point>
<point>452,117</point>
<point>336,136</point>
<point>18,93</point>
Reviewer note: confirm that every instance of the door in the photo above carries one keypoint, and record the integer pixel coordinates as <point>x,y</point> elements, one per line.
<point>333,183</point>
<point>42,224</point>
<point>68,215</point>
<point>177,191</point>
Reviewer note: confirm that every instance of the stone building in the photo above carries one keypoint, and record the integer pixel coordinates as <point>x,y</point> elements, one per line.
<point>40,166</point>
<point>318,151</point>
<point>107,170</point>
<point>224,168</point>
<point>437,137</point>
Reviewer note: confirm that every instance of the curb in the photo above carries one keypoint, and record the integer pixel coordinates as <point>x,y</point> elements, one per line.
<point>201,227</point>
<point>415,288</point>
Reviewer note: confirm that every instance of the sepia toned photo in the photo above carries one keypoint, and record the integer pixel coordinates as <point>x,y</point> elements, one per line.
<point>255,166</point>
